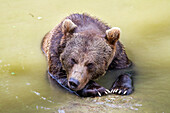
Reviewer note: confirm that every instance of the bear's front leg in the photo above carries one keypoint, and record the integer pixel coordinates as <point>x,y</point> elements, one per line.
<point>123,85</point>
<point>92,89</point>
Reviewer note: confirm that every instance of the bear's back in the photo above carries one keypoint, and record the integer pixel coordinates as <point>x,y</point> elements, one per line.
<point>88,24</point>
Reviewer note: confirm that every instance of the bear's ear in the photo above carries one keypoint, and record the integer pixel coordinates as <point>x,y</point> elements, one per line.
<point>68,26</point>
<point>113,35</point>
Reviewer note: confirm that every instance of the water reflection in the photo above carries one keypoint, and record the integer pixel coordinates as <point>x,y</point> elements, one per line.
<point>24,86</point>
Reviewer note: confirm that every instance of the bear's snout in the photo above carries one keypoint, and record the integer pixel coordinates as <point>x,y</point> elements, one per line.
<point>78,77</point>
<point>73,83</point>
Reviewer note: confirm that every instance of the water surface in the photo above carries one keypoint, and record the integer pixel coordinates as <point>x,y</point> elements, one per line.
<point>24,85</point>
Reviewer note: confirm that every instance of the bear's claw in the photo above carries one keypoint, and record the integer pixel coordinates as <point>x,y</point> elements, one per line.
<point>125,92</point>
<point>123,85</point>
<point>92,89</point>
<point>108,91</point>
<point>99,94</point>
<point>122,91</point>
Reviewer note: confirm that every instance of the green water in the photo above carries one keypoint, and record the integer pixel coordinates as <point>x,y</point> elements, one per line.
<point>24,85</point>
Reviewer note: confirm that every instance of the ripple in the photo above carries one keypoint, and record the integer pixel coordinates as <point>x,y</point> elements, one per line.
<point>103,104</point>
<point>37,93</point>
<point>43,98</point>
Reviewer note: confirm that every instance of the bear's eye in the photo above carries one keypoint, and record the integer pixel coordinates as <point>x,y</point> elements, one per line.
<point>73,61</point>
<point>90,65</point>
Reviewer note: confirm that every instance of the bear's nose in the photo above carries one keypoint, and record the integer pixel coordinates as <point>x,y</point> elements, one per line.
<point>73,83</point>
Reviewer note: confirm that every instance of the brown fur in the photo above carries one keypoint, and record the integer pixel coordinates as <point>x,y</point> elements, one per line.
<point>83,51</point>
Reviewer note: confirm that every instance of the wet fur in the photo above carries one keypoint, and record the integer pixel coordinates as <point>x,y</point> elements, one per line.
<point>53,45</point>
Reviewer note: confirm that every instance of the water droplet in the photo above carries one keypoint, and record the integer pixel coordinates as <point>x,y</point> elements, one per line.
<point>47,108</point>
<point>50,101</point>
<point>12,73</point>
<point>43,98</point>
<point>13,26</point>
<point>39,18</point>
<point>28,84</point>
<point>61,111</point>
<point>36,93</point>
<point>133,108</point>
<point>138,104</point>
<point>112,98</point>
<point>37,107</point>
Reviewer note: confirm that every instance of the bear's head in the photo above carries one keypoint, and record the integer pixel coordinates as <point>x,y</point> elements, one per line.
<point>86,55</point>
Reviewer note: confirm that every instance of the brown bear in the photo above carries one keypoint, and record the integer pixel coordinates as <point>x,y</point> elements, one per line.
<point>82,48</point>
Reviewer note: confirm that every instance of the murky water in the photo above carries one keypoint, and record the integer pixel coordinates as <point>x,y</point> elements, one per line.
<point>24,86</point>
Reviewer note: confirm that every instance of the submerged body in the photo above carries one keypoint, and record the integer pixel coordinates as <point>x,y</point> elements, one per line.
<point>82,48</point>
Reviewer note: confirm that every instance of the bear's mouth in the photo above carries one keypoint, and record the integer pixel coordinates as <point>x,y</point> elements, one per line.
<point>77,84</point>
<point>73,83</point>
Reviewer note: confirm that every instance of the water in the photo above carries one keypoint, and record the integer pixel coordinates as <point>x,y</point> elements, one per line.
<point>24,86</point>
